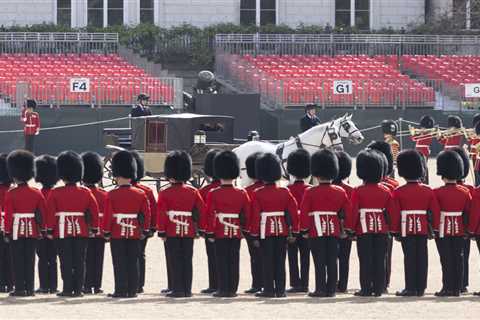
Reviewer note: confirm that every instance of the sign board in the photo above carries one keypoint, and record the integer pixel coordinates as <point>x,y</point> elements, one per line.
<point>472,90</point>
<point>79,85</point>
<point>342,87</point>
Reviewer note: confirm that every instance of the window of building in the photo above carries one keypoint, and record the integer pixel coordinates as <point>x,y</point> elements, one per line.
<point>115,12</point>
<point>95,13</point>
<point>342,13</point>
<point>146,11</point>
<point>248,12</point>
<point>352,13</point>
<point>258,12</point>
<point>268,12</point>
<point>64,12</point>
<point>362,14</point>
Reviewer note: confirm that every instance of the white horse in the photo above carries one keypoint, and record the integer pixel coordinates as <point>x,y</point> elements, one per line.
<point>325,135</point>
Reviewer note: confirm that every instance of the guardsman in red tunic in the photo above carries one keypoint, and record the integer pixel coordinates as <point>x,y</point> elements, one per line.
<point>126,222</point>
<point>256,266</point>
<point>423,140</point>
<point>72,216</point>
<point>152,202</point>
<point>46,174</point>
<point>6,272</point>
<point>321,211</point>
<point>371,220</point>
<point>180,218</point>
<point>92,176</point>
<point>453,139</point>
<point>274,221</point>
<point>344,241</point>
<point>390,129</point>
<point>416,204</point>
<point>451,225</point>
<point>228,214</point>
<point>31,122</point>
<point>25,213</point>
<point>210,246</point>
<point>298,167</point>
<point>475,153</point>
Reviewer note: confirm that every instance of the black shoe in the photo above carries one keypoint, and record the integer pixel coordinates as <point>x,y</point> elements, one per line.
<point>77,294</point>
<point>385,291</point>
<point>362,293</point>
<point>253,290</point>
<point>281,295</point>
<point>420,293</point>
<point>132,295</point>
<point>341,290</point>
<point>42,291</point>
<point>454,293</point>
<point>30,293</point>
<point>97,291</point>
<point>295,290</point>
<point>330,295</point>
<point>140,290</point>
<point>3,289</point>
<point>264,294</point>
<point>87,290</point>
<point>477,293</point>
<point>174,294</point>
<point>464,291</point>
<point>117,295</point>
<point>64,294</point>
<point>18,294</point>
<point>231,295</point>
<point>188,294</point>
<point>208,291</point>
<point>442,293</point>
<point>317,294</point>
<point>377,294</point>
<point>165,291</point>
<point>406,293</point>
<point>53,291</point>
<point>220,294</point>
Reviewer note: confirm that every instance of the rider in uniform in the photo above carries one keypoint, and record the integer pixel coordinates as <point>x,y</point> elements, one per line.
<point>141,109</point>
<point>310,119</point>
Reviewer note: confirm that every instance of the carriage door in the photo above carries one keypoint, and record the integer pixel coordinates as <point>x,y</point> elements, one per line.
<point>156,136</point>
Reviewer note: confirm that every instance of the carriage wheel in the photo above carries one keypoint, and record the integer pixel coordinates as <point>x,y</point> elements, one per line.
<point>199,178</point>
<point>107,180</point>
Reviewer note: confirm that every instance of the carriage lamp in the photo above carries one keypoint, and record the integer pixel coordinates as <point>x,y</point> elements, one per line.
<point>200,137</point>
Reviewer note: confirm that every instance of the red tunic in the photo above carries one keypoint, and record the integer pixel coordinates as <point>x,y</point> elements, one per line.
<point>390,183</point>
<point>348,189</point>
<point>205,190</point>
<point>177,207</point>
<point>455,202</point>
<point>152,202</point>
<point>101,197</point>
<point>21,205</point>
<point>414,200</point>
<point>451,142</point>
<point>123,209</point>
<point>474,219</point>
<point>254,186</point>
<point>31,122</point>
<point>473,151</point>
<point>67,207</point>
<point>372,206</point>
<point>3,190</point>
<point>320,210</point>
<point>423,145</point>
<point>228,212</point>
<point>272,208</point>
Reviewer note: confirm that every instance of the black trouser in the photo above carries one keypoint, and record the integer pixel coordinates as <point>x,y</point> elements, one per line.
<point>228,264</point>
<point>23,253</point>
<point>274,251</point>
<point>451,256</point>
<point>324,252</point>
<point>181,253</point>
<point>125,253</point>
<point>6,268</point>
<point>415,261</point>
<point>30,143</point>
<point>466,258</point>
<point>256,266</point>
<point>344,249</point>
<point>372,250</point>
<point>47,264</point>
<point>212,273</point>
<point>141,263</point>
<point>477,178</point>
<point>72,253</point>
<point>388,261</point>
<point>168,261</point>
<point>95,255</point>
<point>299,279</point>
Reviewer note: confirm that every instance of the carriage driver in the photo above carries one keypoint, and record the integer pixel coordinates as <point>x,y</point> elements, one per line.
<point>310,119</point>
<point>141,109</point>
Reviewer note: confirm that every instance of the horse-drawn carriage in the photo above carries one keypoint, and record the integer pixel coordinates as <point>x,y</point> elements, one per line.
<point>155,136</point>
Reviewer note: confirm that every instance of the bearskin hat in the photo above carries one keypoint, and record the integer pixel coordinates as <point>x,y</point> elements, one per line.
<point>369,166</point>
<point>140,165</point>
<point>70,166</point>
<point>226,165</point>
<point>477,128</point>
<point>124,165</point>
<point>208,163</point>
<point>389,127</point>
<point>344,165</point>
<point>384,148</point>
<point>20,164</point>
<point>476,119</point>
<point>267,168</point>
<point>92,167</point>
<point>46,171</point>
<point>450,165</point>
<point>250,164</point>
<point>465,160</point>
<point>4,176</point>
<point>298,164</point>
<point>178,166</point>
<point>454,121</point>
<point>31,103</point>
<point>325,164</point>
<point>410,165</point>
<point>427,122</point>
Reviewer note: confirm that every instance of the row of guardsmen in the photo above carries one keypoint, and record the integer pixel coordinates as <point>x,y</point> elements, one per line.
<point>74,221</point>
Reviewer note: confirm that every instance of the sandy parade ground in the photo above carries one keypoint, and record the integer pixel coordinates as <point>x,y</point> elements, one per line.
<point>153,305</point>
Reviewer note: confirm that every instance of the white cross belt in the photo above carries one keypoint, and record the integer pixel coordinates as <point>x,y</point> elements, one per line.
<point>16,222</point>
<point>172,214</point>
<point>363,216</point>
<point>443,215</point>
<point>316,218</point>
<point>263,222</point>
<point>222,216</point>
<point>121,216</point>
<point>404,214</point>
<point>61,223</point>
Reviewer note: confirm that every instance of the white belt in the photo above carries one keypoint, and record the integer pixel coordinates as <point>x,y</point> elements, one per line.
<point>2,221</point>
<point>100,214</point>
<point>405,214</point>
<point>172,214</point>
<point>263,222</point>
<point>363,219</point>
<point>30,125</point>
<point>422,146</point>
<point>16,222</point>
<point>451,145</point>
<point>316,218</point>
<point>121,216</point>
<point>222,216</point>
<point>61,223</point>
<point>443,215</point>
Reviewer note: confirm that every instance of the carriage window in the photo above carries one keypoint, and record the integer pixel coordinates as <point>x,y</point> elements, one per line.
<point>211,127</point>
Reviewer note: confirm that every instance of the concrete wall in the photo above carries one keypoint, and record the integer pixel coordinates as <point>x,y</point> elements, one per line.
<point>396,13</point>
<point>22,12</point>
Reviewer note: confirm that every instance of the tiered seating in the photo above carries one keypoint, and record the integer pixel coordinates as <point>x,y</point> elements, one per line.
<point>112,79</point>
<point>454,71</point>
<point>298,79</point>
